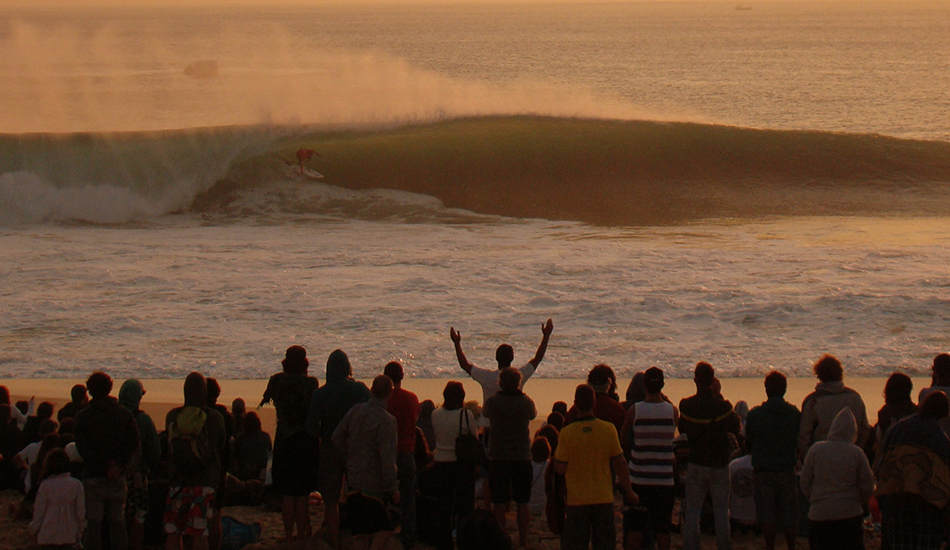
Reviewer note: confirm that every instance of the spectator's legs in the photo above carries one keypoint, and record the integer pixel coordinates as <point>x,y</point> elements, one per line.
<point>524,520</point>
<point>577,528</point>
<point>95,513</point>
<point>406,464</point>
<point>604,531</point>
<point>719,486</point>
<point>114,501</point>
<point>697,479</point>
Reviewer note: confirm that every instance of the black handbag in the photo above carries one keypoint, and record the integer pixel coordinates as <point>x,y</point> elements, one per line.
<point>468,449</point>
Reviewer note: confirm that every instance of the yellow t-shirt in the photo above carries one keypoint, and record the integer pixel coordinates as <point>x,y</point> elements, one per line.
<point>587,445</point>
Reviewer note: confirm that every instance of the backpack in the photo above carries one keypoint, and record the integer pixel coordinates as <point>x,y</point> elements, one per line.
<point>190,447</point>
<point>480,531</point>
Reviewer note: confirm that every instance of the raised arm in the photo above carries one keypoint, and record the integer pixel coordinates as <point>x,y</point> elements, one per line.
<point>457,340</point>
<point>546,330</point>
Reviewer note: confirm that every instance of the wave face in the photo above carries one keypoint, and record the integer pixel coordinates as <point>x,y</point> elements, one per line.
<point>596,171</point>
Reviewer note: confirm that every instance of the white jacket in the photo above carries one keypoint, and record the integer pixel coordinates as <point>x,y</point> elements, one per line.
<point>836,476</point>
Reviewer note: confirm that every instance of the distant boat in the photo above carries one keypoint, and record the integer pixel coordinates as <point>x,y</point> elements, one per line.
<point>205,68</point>
<point>740,7</point>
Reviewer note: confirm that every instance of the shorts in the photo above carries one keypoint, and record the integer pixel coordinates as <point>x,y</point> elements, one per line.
<point>510,480</point>
<point>188,509</point>
<point>655,511</point>
<point>366,515</point>
<point>776,498</point>
<point>330,475</point>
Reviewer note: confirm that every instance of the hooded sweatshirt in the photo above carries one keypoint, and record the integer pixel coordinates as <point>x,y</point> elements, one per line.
<point>130,397</point>
<point>820,408</point>
<point>836,476</point>
<point>333,400</point>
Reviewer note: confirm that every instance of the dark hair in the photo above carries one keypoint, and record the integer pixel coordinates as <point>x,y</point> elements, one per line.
<point>505,354</point>
<point>393,370</point>
<point>99,384</point>
<point>453,395</point>
<point>4,395</point>
<point>382,387</point>
<point>55,463</point>
<point>599,376</point>
<point>213,390</point>
<point>427,406</point>
<point>77,393</point>
<point>704,375</point>
<point>44,410</point>
<point>550,433</point>
<point>556,419</point>
<point>775,384</point>
<point>942,367</point>
<point>252,422</point>
<point>195,390</point>
<point>635,390</point>
<point>897,388</point>
<point>936,405</point>
<point>509,380</point>
<point>828,368</point>
<point>653,380</point>
<point>67,426</point>
<point>561,407</point>
<point>5,416</point>
<point>338,365</point>
<point>238,406</point>
<point>540,449</point>
<point>584,398</point>
<point>295,360</point>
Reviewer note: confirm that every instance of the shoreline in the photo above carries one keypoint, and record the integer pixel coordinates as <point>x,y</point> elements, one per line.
<point>164,394</point>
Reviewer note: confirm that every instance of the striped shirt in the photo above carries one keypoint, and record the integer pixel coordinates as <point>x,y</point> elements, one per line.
<point>651,458</point>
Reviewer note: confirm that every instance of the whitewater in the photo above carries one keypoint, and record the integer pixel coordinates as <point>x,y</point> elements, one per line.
<point>669,182</point>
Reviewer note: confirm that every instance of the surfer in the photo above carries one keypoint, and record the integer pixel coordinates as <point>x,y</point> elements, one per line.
<point>305,154</point>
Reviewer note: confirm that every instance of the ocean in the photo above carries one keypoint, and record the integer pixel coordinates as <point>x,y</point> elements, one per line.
<point>669,181</point>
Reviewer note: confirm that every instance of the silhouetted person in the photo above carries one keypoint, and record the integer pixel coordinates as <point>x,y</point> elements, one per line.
<point>79,400</point>
<point>707,420</point>
<point>822,406</point>
<point>106,438</point>
<point>404,406</point>
<point>296,452</point>
<point>771,432</point>
<point>504,356</point>
<point>328,406</point>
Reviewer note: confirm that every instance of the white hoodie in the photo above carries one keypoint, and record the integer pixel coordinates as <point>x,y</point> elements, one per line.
<point>836,477</point>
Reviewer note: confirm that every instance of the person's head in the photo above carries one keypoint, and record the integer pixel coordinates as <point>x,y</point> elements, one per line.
<point>338,366</point>
<point>509,380</point>
<point>505,354</point>
<point>600,378</point>
<point>828,368</point>
<point>453,395</point>
<point>393,370</point>
<point>584,399</point>
<point>47,426</point>
<point>556,419</point>
<point>775,384</point>
<point>195,390</point>
<point>78,394</point>
<point>936,405</point>
<point>44,410</point>
<point>295,360</point>
<point>238,406</point>
<point>55,463</point>
<point>653,381</point>
<point>130,394</point>
<point>382,387</point>
<point>427,406</point>
<point>561,407</point>
<point>635,390</point>
<point>214,390</point>
<point>540,449</point>
<point>99,385</point>
<point>550,433</point>
<point>4,395</point>
<point>5,415</point>
<point>898,387</point>
<point>704,376</point>
<point>252,422</point>
<point>941,369</point>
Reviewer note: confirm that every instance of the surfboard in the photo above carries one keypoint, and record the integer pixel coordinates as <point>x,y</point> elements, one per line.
<point>293,171</point>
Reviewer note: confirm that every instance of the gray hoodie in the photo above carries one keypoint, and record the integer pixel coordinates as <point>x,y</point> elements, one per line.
<point>822,406</point>
<point>836,476</point>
